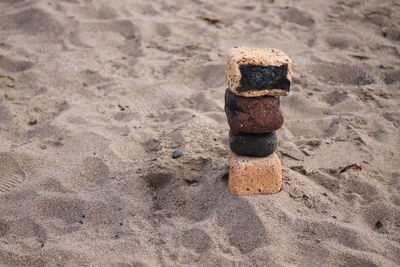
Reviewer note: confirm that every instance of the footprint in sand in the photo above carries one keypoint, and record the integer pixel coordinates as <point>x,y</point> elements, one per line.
<point>5,115</point>
<point>107,33</point>
<point>10,65</point>
<point>212,75</point>
<point>32,21</point>
<point>296,16</point>
<point>342,38</point>
<point>11,175</point>
<point>94,11</point>
<point>243,225</point>
<point>197,240</point>
<point>338,73</point>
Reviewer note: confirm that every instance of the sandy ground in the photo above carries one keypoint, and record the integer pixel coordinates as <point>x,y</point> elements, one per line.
<point>105,91</point>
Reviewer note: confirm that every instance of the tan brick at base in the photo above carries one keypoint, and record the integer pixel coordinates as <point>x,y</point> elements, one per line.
<point>254,176</point>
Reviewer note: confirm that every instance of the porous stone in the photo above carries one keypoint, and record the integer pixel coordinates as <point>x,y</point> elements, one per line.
<point>254,176</point>
<point>253,114</point>
<point>252,144</point>
<point>261,78</point>
<point>253,72</point>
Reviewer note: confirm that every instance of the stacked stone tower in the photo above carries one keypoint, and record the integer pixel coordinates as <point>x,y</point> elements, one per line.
<point>256,78</point>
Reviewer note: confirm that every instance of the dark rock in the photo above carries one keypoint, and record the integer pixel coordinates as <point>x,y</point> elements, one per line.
<point>177,154</point>
<point>252,144</point>
<point>263,77</point>
<point>253,114</point>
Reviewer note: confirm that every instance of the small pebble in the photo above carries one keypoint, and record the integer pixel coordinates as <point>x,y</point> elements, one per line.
<point>177,154</point>
<point>32,122</point>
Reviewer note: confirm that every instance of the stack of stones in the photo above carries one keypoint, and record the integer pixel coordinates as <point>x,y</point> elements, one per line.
<point>257,78</point>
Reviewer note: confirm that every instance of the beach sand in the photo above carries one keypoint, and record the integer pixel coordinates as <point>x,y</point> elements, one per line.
<point>105,91</point>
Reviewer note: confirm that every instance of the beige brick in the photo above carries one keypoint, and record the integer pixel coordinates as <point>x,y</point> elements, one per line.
<point>257,57</point>
<point>254,176</point>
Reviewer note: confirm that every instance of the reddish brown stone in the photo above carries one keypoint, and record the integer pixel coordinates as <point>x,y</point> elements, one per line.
<point>253,114</point>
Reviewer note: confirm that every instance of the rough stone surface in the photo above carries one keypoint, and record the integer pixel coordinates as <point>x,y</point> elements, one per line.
<point>261,78</point>
<point>271,72</point>
<point>253,114</point>
<point>252,144</point>
<point>254,176</point>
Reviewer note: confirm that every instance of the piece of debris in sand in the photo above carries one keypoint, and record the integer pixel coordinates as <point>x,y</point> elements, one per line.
<point>32,122</point>
<point>352,166</point>
<point>212,20</point>
<point>9,78</point>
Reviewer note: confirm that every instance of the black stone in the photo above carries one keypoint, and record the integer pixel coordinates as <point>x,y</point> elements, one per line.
<point>263,77</point>
<point>177,154</point>
<point>252,144</point>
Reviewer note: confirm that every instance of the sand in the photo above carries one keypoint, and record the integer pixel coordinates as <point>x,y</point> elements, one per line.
<point>105,91</point>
